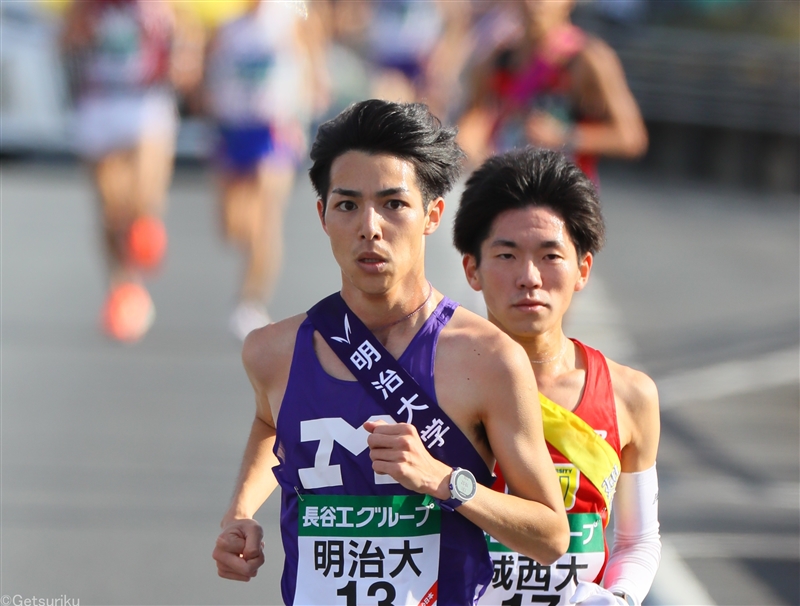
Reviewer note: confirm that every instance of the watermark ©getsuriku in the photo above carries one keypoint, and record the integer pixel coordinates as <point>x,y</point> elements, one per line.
<point>21,600</point>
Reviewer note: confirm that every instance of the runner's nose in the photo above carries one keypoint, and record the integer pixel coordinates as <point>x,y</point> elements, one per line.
<point>370,224</point>
<point>529,277</point>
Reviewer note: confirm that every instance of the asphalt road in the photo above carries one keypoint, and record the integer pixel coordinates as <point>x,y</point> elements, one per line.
<point>118,461</point>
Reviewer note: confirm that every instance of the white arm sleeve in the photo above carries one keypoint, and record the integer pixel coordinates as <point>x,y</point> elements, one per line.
<point>636,553</point>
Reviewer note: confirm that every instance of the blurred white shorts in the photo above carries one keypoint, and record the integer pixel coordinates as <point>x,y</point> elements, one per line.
<point>118,121</point>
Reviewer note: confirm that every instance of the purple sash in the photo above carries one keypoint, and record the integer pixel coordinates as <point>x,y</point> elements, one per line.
<point>393,387</point>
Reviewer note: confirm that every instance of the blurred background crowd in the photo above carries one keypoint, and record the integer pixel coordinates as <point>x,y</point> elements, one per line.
<point>712,92</point>
<point>716,75</point>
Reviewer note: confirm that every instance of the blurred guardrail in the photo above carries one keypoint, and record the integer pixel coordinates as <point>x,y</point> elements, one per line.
<point>33,100</point>
<point>714,79</point>
<point>718,104</point>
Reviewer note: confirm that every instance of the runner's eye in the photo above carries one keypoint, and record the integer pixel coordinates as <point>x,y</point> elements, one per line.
<point>346,205</point>
<point>396,204</point>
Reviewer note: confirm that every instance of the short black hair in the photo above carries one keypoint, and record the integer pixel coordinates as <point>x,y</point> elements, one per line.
<point>405,130</point>
<point>529,177</point>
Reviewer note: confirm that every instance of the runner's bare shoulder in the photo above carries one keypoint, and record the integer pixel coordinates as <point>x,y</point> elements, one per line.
<point>267,351</point>
<point>633,389</point>
<point>599,53</point>
<point>483,352</point>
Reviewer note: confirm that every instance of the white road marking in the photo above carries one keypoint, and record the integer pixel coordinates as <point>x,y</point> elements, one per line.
<point>736,545</point>
<point>730,378</point>
<point>771,497</point>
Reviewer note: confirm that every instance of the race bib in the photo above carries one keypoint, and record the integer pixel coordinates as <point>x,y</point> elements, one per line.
<point>368,550</point>
<point>520,580</point>
<point>252,70</point>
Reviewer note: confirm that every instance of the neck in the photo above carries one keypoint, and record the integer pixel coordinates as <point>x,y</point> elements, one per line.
<point>398,309</point>
<point>538,34</point>
<point>549,352</point>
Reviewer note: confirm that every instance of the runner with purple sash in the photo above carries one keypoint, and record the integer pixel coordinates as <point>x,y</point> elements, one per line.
<point>381,412</point>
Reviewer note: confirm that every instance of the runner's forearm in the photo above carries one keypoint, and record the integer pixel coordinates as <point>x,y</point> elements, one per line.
<point>603,139</point>
<point>529,527</point>
<point>256,480</point>
<point>635,557</point>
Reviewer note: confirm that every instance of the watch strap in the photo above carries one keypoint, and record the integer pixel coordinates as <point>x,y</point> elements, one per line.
<point>450,504</point>
<point>628,599</point>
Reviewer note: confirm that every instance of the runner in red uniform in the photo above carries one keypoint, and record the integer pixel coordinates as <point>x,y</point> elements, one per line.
<point>552,85</point>
<point>529,225</point>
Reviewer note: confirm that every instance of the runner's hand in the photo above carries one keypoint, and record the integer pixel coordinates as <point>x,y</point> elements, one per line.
<point>591,594</point>
<point>239,551</point>
<point>545,130</point>
<point>397,450</point>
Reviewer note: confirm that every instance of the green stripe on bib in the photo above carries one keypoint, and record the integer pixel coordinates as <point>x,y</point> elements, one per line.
<point>367,516</point>
<point>585,535</point>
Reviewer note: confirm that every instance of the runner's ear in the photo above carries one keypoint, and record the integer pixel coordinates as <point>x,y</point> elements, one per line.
<point>434,217</point>
<point>321,213</point>
<point>470,264</point>
<point>585,268</point>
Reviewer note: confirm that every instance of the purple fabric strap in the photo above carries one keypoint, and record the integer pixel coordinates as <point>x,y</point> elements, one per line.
<point>393,387</point>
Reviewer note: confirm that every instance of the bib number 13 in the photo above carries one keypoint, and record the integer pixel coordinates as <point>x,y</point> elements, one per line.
<point>349,591</point>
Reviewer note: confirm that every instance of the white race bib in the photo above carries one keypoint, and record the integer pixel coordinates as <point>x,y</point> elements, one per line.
<point>517,579</point>
<point>367,551</point>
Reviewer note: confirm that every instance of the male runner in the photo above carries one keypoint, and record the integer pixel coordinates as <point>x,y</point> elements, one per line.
<point>262,79</point>
<point>416,50</point>
<point>529,224</point>
<point>368,515</point>
<point>552,85</point>
<point>129,55</point>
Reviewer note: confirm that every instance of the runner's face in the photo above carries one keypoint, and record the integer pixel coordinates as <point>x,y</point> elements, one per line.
<point>529,271</point>
<point>376,221</point>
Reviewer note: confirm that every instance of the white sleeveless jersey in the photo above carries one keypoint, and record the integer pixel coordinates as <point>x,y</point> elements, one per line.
<point>258,73</point>
<point>130,47</point>
<point>404,29</point>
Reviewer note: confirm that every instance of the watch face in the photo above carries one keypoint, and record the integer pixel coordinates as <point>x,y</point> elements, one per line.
<point>627,598</point>
<point>465,485</point>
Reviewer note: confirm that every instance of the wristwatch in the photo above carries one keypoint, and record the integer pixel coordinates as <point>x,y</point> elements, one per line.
<point>463,487</point>
<point>628,599</point>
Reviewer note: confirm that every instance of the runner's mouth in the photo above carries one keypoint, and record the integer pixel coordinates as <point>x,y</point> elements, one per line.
<point>530,305</point>
<point>371,258</point>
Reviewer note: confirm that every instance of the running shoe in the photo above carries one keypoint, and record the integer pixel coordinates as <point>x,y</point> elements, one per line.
<point>147,242</point>
<point>247,317</point>
<point>128,312</point>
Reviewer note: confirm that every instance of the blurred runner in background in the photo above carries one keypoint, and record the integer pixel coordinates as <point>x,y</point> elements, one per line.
<point>121,55</point>
<point>345,29</point>
<point>538,79</point>
<point>265,82</point>
<point>417,50</point>
<point>397,50</point>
